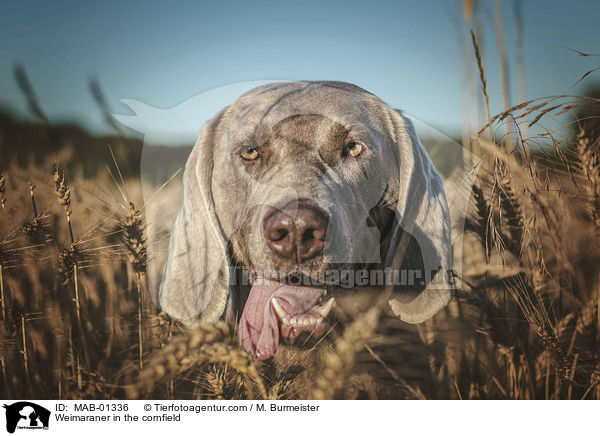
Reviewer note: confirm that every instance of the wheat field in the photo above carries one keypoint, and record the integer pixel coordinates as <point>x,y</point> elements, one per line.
<point>78,322</point>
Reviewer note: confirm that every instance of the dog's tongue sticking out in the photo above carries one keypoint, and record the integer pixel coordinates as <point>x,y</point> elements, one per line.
<point>295,306</point>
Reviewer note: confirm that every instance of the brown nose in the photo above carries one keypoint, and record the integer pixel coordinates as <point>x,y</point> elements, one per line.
<point>299,236</point>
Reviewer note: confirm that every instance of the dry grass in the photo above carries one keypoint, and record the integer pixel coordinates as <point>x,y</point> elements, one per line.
<point>77,320</point>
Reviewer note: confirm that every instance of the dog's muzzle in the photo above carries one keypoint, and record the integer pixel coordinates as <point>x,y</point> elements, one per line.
<point>277,310</point>
<point>297,232</point>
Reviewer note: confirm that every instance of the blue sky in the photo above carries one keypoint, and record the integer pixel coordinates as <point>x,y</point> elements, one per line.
<point>164,53</point>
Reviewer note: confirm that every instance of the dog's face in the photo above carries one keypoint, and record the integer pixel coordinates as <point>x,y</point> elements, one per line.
<point>309,187</point>
<point>297,195</point>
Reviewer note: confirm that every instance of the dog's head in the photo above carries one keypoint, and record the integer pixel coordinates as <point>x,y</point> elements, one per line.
<point>324,197</point>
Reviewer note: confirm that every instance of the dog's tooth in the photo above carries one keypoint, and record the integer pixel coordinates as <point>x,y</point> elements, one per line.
<point>293,321</point>
<point>324,310</point>
<point>280,311</point>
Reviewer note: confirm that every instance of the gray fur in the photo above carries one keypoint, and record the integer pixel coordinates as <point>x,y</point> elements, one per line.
<point>225,199</point>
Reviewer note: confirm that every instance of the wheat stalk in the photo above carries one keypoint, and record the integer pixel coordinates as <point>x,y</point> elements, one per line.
<point>2,189</point>
<point>215,382</point>
<point>2,300</point>
<point>135,244</point>
<point>36,228</point>
<point>69,255</point>
<point>134,240</point>
<point>482,224</point>
<point>211,343</point>
<point>24,341</point>
<point>482,79</point>
<point>504,74</point>
<point>3,257</point>
<point>3,203</point>
<point>340,360</point>
<point>589,159</point>
<point>512,210</point>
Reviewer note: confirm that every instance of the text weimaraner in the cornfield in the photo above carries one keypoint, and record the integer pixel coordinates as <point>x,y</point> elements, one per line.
<point>304,203</point>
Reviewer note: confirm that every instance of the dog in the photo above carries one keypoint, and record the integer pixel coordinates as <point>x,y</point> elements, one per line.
<point>304,204</point>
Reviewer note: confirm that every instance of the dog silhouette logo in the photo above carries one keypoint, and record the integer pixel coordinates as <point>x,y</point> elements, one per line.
<point>26,415</point>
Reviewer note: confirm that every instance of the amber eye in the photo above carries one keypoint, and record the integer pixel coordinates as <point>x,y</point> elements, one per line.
<point>355,149</point>
<point>250,154</point>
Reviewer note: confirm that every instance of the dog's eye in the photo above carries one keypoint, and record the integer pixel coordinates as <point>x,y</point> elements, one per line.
<point>355,149</point>
<point>249,154</point>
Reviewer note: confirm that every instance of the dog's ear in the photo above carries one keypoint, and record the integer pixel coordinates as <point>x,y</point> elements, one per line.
<point>422,212</point>
<point>195,283</point>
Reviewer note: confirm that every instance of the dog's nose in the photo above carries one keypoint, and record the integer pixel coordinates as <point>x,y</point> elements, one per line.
<point>299,236</point>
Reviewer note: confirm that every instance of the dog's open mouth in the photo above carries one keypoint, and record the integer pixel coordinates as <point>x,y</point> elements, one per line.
<point>277,310</point>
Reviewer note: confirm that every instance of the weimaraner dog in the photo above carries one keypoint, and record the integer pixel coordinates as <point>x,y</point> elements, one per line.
<point>303,201</point>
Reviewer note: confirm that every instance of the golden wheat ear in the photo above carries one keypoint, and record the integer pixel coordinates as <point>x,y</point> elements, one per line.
<point>208,343</point>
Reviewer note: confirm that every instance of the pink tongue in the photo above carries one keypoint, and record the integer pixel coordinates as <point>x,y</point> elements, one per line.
<point>259,330</point>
